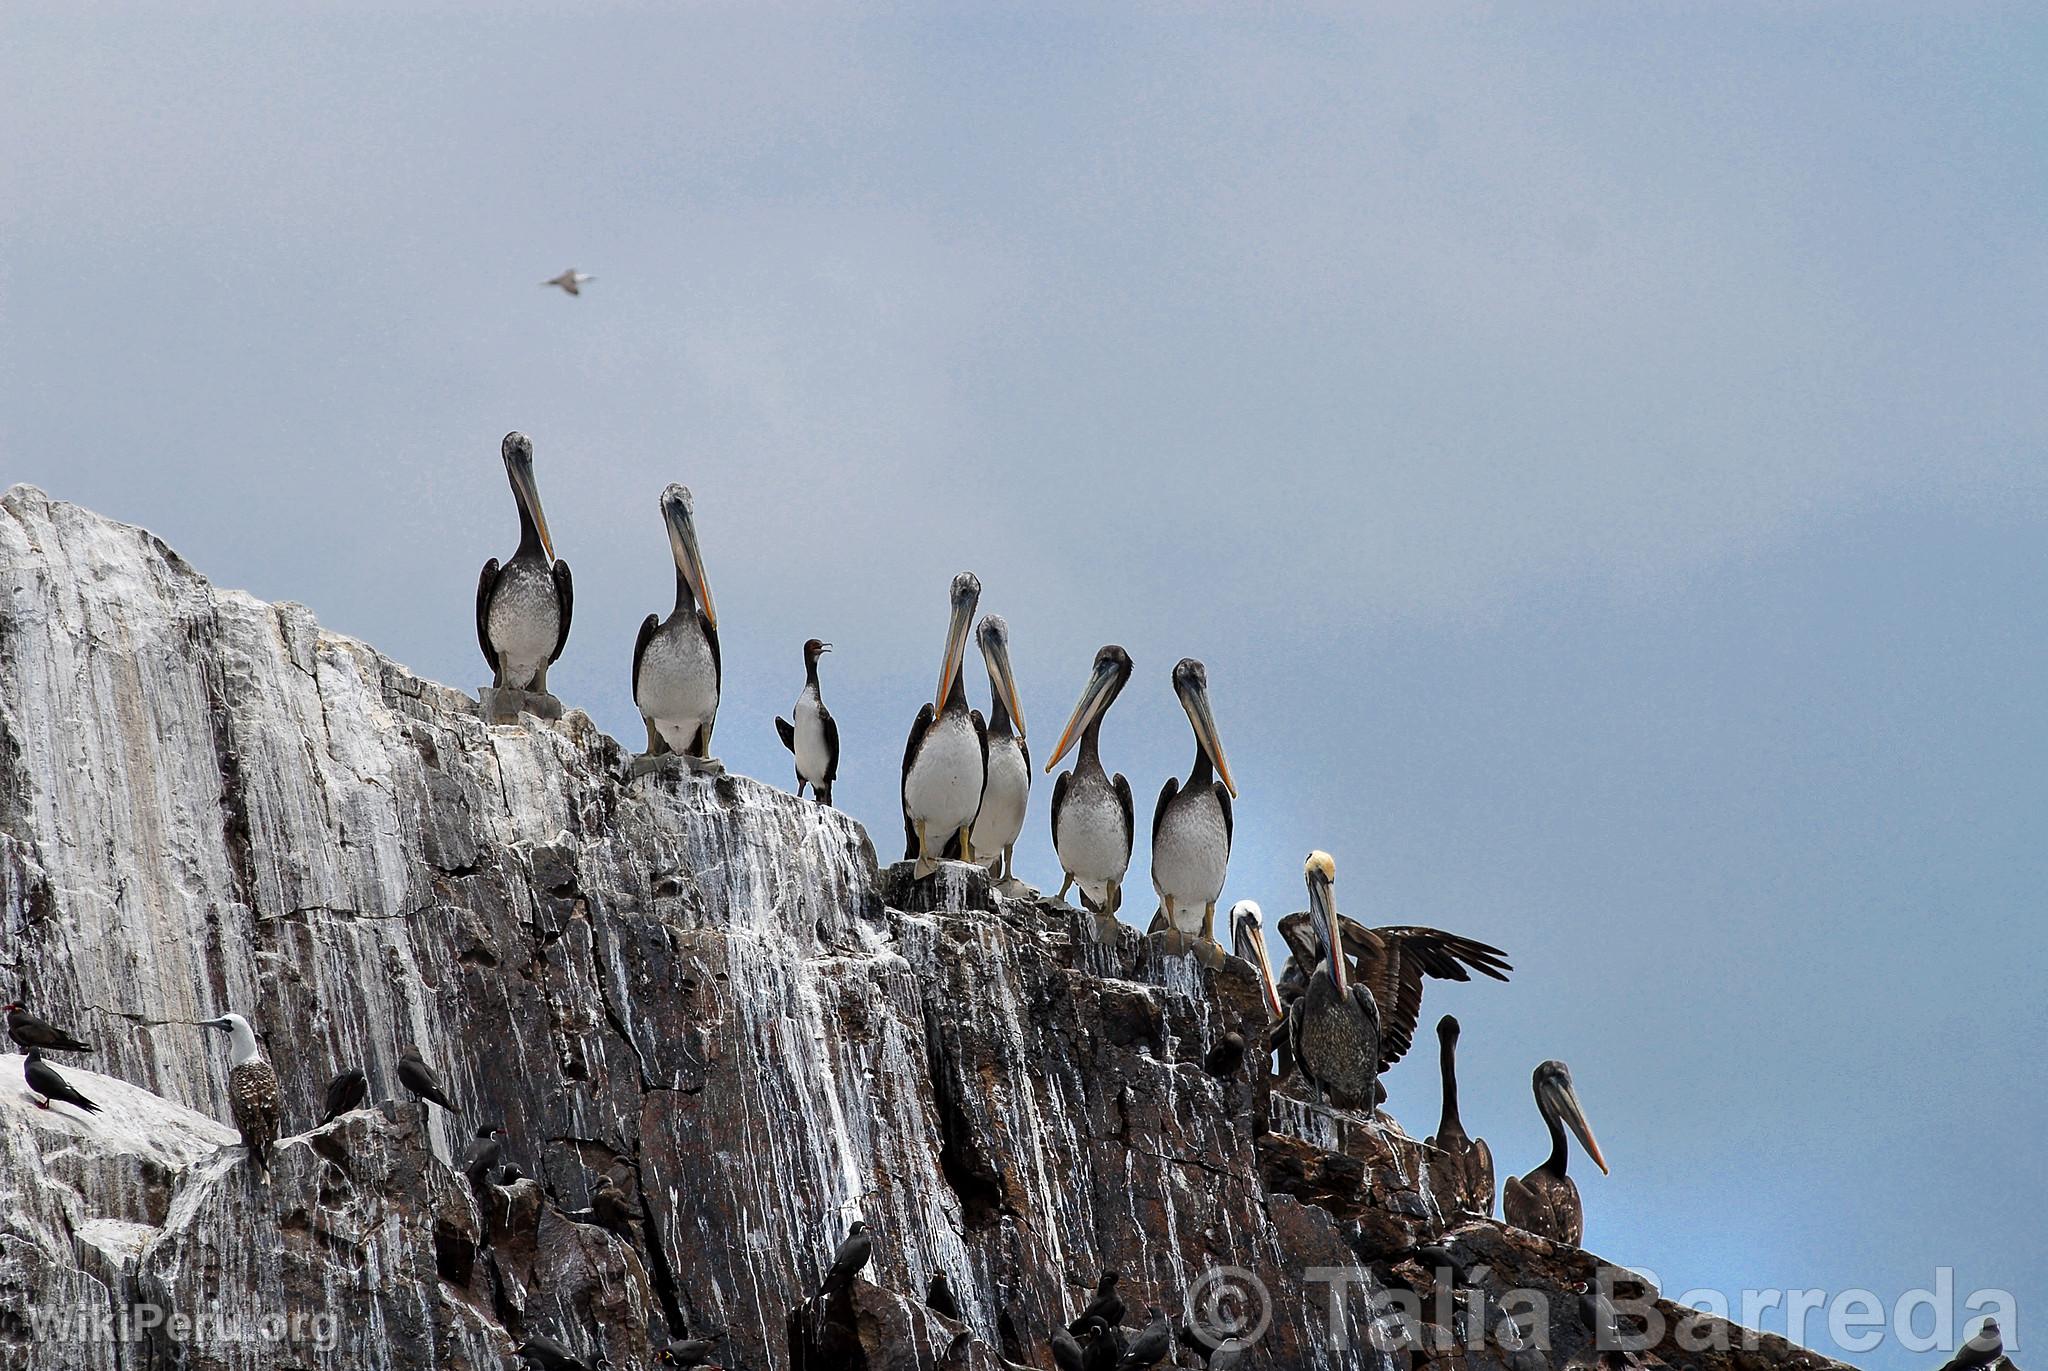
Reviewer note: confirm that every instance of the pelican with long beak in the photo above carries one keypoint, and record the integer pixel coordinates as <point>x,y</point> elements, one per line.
<point>1008,787</point>
<point>1546,1201</point>
<point>1334,1027</point>
<point>676,667</point>
<point>523,607</point>
<point>945,763</point>
<point>1191,828</point>
<point>1248,941</point>
<point>1091,811</point>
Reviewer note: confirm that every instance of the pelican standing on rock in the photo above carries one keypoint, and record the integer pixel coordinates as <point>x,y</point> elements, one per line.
<point>1334,1027</point>
<point>1191,828</point>
<point>676,667</point>
<point>1248,941</point>
<point>813,740</point>
<point>1008,788</point>
<point>523,607</point>
<point>1462,1177</point>
<point>253,1092</point>
<point>945,763</point>
<point>1546,1201</point>
<point>1091,811</point>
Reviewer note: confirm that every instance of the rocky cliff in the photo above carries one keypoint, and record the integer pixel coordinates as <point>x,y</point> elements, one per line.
<point>703,989</point>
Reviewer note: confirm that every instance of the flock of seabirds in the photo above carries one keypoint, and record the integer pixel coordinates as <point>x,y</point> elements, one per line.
<point>1344,1009</point>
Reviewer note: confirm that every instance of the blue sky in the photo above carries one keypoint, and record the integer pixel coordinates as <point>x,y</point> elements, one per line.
<point>1598,452</point>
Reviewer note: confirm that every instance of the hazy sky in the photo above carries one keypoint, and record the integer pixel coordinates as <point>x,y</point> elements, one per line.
<point>1597,450</point>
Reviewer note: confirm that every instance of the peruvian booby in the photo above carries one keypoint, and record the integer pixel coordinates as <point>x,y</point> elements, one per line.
<point>945,761</point>
<point>1461,1178</point>
<point>29,1031</point>
<point>1546,1201</point>
<point>813,740</point>
<point>676,666</point>
<point>344,1092</point>
<point>523,607</point>
<point>1334,1027</point>
<point>571,281</point>
<point>415,1075</point>
<point>1091,811</point>
<point>49,1084</point>
<point>253,1093</point>
<point>1392,962</point>
<point>483,1157</point>
<point>1191,828</point>
<point>849,1257</point>
<point>1007,790</point>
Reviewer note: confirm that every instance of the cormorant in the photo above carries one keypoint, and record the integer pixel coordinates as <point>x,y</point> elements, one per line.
<point>852,1254</point>
<point>813,740</point>
<point>1461,1176</point>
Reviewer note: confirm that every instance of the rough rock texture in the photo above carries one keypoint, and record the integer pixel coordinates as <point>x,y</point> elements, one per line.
<point>703,988</point>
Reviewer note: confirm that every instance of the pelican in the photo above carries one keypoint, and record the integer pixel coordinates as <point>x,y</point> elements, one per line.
<point>571,281</point>
<point>1392,962</point>
<point>1546,1202</point>
<point>523,607</point>
<point>1191,827</point>
<point>813,740</point>
<point>945,763</point>
<point>676,668</point>
<point>1461,1178</point>
<point>1248,940</point>
<point>1008,787</point>
<point>1091,811</point>
<point>1334,1028</point>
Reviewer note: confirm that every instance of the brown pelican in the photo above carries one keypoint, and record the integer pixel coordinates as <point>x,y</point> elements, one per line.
<point>945,762</point>
<point>1546,1202</point>
<point>676,668</point>
<point>1191,828</point>
<point>1091,811</point>
<point>814,738</point>
<point>1008,787</point>
<point>1334,1027</point>
<point>1392,962</point>
<point>1461,1178</point>
<point>1248,941</point>
<point>253,1093</point>
<point>523,607</point>
<point>571,281</point>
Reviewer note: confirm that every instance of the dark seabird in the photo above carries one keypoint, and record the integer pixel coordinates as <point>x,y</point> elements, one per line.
<point>1546,1201</point>
<point>1150,1347</point>
<point>852,1254</point>
<point>1092,823</point>
<point>1226,1055</point>
<point>1066,1353</point>
<point>945,761</point>
<point>344,1092</point>
<point>483,1156</point>
<point>938,1297</point>
<point>29,1031</point>
<point>814,738</point>
<point>1984,1347</point>
<point>571,281</point>
<point>253,1092</point>
<point>676,667</point>
<point>1192,826</point>
<point>1334,1028</point>
<point>613,1209</point>
<point>1007,791</point>
<point>1106,1304</point>
<point>523,608</point>
<point>44,1080</point>
<point>1461,1177</point>
<point>1101,1345</point>
<point>415,1075</point>
<point>544,1353</point>
<point>1392,962</point>
<point>685,1352</point>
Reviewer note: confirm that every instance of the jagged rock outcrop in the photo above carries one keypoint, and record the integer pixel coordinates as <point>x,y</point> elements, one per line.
<point>703,988</point>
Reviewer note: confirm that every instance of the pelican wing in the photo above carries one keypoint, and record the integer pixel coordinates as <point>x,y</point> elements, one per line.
<point>486,586</point>
<point>565,596</point>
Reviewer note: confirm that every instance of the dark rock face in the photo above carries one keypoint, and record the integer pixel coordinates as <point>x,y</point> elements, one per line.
<point>702,988</point>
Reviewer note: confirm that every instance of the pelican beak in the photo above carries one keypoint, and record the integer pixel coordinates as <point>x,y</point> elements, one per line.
<point>519,466</point>
<point>1094,699</point>
<point>679,512</point>
<point>1574,1116</point>
<point>995,649</point>
<point>1194,698</point>
<point>966,594</point>
<point>1250,936</point>
<point>1321,873</point>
